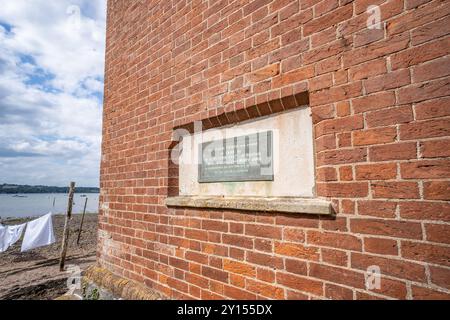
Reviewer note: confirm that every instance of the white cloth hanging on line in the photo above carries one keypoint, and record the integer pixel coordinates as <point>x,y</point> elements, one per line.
<point>2,237</point>
<point>9,235</point>
<point>39,233</point>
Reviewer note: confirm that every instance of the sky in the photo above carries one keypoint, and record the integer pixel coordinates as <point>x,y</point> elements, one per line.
<point>51,91</point>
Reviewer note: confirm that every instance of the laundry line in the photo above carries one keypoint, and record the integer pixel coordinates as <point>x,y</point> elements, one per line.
<point>38,233</point>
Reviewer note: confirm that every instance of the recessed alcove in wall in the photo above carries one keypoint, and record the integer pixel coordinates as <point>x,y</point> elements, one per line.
<point>265,162</point>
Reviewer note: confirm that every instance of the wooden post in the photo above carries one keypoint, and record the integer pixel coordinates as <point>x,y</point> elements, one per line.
<point>65,238</point>
<point>82,220</point>
<point>54,199</point>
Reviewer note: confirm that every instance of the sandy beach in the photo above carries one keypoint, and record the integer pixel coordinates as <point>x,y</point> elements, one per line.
<point>35,275</point>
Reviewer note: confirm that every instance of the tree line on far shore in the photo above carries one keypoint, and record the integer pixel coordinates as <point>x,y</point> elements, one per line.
<point>16,188</point>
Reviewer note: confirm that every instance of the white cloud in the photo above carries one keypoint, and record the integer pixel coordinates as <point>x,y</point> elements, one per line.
<point>51,81</point>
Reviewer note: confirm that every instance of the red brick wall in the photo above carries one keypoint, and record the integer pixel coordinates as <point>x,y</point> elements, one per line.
<point>380,104</point>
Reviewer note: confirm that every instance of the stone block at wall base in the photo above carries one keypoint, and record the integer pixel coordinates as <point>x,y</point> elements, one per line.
<point>101,284</point>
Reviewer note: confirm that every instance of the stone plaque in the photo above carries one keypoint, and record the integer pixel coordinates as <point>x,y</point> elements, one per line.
<point>243,158</point>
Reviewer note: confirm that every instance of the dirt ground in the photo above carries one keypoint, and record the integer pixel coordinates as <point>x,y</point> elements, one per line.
<point>35,275</point>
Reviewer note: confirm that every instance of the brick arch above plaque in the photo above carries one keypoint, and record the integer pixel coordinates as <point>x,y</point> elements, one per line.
<point>263,164</point>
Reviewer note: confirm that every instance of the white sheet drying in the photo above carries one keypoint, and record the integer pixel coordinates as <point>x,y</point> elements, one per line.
<point>39,233</point>
<point>10,235</point>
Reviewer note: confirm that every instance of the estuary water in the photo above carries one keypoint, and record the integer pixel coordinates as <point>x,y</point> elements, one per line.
<point>38,204</point>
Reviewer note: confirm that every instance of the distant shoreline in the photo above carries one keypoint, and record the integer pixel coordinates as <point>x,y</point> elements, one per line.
<point>19,220</point>
<point>76,192</point>
<point>28,189</point>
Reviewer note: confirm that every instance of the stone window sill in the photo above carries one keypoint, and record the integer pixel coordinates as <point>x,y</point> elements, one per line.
<point>275,204</point>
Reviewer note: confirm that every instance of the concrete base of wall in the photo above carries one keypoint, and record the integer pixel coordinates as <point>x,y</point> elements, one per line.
<point>101,284</point>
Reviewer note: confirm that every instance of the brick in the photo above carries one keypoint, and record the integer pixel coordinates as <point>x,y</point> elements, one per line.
<point>337,275</point>
<point>416,18</point>
<point>293,76</point>
<point>196,256</point>
<point>339,125</point>
<point>329,63</point>
<point>335,292</point>
<point>265,275</point>
<point>335,223</point>
<point>435,148</point>
<point>375,101</point>
<point>326,174</point>
<point>381,246</point>
<point>432,70</point>
<point>392,288</point>
<point>419,54</point>
<point>421,293</point>
<point>335,94</point>
<point>253,6</point>
<point>440,276</point>
<point>391,80</point>
<point>346,190</point>
<point>296,266</point>
<point>343,108</point>
<point>215,274</point>
<point>368,69</point>
<point>322,113</point>
<point>389,116</point>
<point>375,50</point>
<point>348,206</point>
<point>239,241</point>
<point>424,91</point>
<point>328,20</point>
<point>215,225</point>
<point>321,82</point>
<point>293,234</point>
<point>297,251</point>
<point>324,7</point>
<point>384,171</point>
<point>389,228</point>
<point>238,294</point>
<point>374,136</point>
<point>425,252</point>
<point>264,260</point>
<point>344,139</point>
<point>264,245</point>
<point>239,268</point>
<point>395,190</point>
<point>377,208</point>
<point>431,31</point>
<point>336,240</point>
<point>367,296</point>
<point>436,190</point>
<point>335,257</point>
<point>295,295</point>
<point>265,290</point>
<point>324,37</point>
<point>300,283</point>
<point>395,151</point>
<point>419,210</point>
<point>432,109</point>
<point>346,173</point>
<point>438,233</point>
<point>297,221</point>
<point>367,36</point>
<point>425,169</point>
<point>196,234</point>
<point>263,231</point>
<point>197,280</point>
<point>390,266</point>
<point>325,143</point>
<point>334,157</point>
<point>264,73</point>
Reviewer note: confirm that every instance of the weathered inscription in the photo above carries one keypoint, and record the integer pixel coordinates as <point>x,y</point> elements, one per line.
<point>243,158</point>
